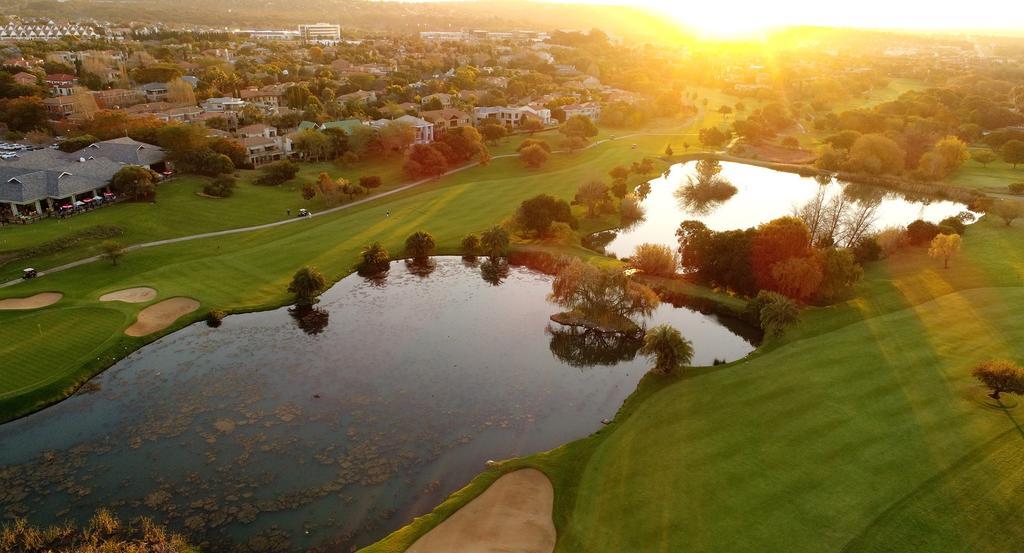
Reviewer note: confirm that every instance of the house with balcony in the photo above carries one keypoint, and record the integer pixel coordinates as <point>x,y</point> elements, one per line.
<point>154,92</point>
<point>223,104</point>
<point>263,144</point>
<point>115,98</point>
<point>511,117</point>
<point>61,84</point>
<point>447,119</point>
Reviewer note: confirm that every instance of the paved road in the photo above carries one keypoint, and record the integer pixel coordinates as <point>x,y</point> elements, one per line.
<point>403,188</point>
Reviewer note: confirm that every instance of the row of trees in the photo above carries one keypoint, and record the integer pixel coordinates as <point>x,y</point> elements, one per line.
<point>456,147</point>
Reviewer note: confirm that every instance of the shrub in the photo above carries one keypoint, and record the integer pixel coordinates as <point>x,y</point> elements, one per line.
<point>135,182</point>
<point>534,156</point>
<point>214,318</point>
<point>103,533</point>
<point>891,240</point>
<point>374,259</point>
<point>867,249</point>
<point>534,142</point>
<point>370,182</point>
<point>77,143</point>
<point>420,244</point>
<point>278,172</point>
<point>954,224</point>
<point>773,312</point>
<point>668,348</point>
<point>221,187</point>
<point>630,210</point>
<point>538,213</point>
<point>1007,210</point>
<point>1016,188</point>
<point>921,232</point>
<point>655,259</point>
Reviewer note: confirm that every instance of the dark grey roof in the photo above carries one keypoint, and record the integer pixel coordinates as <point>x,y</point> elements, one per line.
<point>41,174</point>
<point>123,150</point>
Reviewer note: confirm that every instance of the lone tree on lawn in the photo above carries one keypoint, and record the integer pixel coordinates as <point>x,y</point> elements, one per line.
<point>668,348</point>
<point>307,283</point>
<point>944,246</point>
<point>1001,376</point>
<point>534,156</point>
<point>419,245</point>
<point>1013,152</point>
<point>112,250</point>
<point>1007,210</point>
<point>135,182</point>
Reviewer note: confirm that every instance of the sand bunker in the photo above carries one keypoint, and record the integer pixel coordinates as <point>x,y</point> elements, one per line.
<point>141,294</point>
<point>514,514</point>
<point>160,315</point>
<point>31,302</point>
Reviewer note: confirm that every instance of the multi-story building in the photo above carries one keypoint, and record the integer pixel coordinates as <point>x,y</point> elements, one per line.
<point>223,104</point>
<point>591,110</point>
<point>511,117</point>
<point>61,84</point>
<point>263,144</point>
<point>424,130</point>
<point>118,98</point>
<point>269,97</point>
<point>320,33</point>
<point>446,119</point>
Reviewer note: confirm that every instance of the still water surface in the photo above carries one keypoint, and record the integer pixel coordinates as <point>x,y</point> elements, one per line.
<point>270,435</point>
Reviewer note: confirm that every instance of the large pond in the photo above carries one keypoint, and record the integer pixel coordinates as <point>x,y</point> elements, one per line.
<point>761,195</point>
<point>325,432</point>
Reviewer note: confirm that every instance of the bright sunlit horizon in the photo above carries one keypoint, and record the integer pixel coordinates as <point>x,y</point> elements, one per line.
<point>747,18</point>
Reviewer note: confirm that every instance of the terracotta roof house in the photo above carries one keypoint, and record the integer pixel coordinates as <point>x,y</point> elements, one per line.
<point>26,79</point>
<point>444,119</point>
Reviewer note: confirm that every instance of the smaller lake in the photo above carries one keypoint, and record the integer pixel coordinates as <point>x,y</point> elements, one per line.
<point>761,196</point>
<point>328,431</point>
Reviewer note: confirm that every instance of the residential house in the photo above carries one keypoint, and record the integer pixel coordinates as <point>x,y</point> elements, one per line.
<point>182,114</point>
<point>444,99</point>
<point>512,117</point>
<point>444,119</point>
<point>61,107</point>
<point>592,110</point>
<point>263,144</point>
<point>61,84</point>
<point>26,79</point>
<point>424,130</point>
<point>359,98</point>
<point>269,98</point>
<point>223,104</point>
<point>154,92</point>
<point>118,98</point>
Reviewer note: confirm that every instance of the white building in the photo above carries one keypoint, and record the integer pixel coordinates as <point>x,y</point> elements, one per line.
<point>320,33</point>
<point>592,110</point>
<point>424,129</point>
<point>223,104</point>
<point>510,116</point>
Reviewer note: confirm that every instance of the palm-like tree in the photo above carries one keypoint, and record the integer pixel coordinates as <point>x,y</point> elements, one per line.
<point>668,348</point>
<point>307,283</point>
<point>495,241</point>
<point>375,259</point>
<point>419,244</point>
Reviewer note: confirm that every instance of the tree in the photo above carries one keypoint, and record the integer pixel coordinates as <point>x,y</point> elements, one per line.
<point>419,245</point>
<point>231,148</point>
<point>307,283</point>
<point>23,114</point>
<point>492,131</point>
<point>797,277</point>
<point>984,157</point>
<point>1007,210</point>
<point>470,245</point>
<point>668,348</point>
<point>374,259</point>
<point>312,143</point>
<point>921,232</point>
<point>278,172</point>
<point>308,191</point>
<point>112,250</point>
<point>330,190</point>
<point>773,312</point>
<point>180,93</point>
<point>396,136</point>
<point>668,151</point>
<point>654,259</point>
<point>604,299</point>
<point>135,182</point>
<point>1001,376</point>
<point>713,137</point>
<point>574,143</point>
<point>534,156</point>
<point>538,213</point>
<point>594,195</point>
<point>579,126</point>
<point>220,187</point>
<point>465,143</point>
<point>352,189</point>
<point>840,270</point>
<point>76,143</point>
<point>1013,152</point>
<point>423,160</point>
<point>944,246</point>
<point>180,139</point>
<point>952,151</point>
<point>777,241</point>
<point>876,154</point>
<point>495,241</point>
<point>370,182</point>
<point>205,162</point>
<point>619,172</point>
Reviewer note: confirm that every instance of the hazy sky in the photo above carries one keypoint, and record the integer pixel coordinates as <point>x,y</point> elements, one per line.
<point>742,16</point>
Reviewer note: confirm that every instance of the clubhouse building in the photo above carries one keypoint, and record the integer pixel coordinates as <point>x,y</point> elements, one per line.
<point>41,182</point>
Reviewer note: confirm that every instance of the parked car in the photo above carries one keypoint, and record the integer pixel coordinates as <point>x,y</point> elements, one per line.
<point>29,273</point>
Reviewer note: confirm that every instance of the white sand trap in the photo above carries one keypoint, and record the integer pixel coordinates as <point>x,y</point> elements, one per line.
<point>161,315</point>
<point>31,302</point>
<point>513,515</point>
<point>141,294</point>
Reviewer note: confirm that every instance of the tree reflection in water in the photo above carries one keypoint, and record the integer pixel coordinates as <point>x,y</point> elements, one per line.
<point>582,347</point>
<point>420,267</point>
<point>494,270</point>
<point>312,320</point>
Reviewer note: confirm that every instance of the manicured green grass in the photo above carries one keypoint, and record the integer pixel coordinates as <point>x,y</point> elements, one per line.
<point>250,271</point>
<point>179,211</point>
<point>861,430</point>
<point>993,177</point>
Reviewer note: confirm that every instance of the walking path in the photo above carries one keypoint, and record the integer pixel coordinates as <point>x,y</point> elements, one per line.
<point>403,188</point>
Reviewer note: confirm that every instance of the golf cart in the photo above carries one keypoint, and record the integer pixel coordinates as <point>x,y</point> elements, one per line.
<point>303,213</point>
<point>29,273</point>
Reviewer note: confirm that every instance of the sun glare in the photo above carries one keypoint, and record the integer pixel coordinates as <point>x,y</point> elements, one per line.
<point>715,20</point>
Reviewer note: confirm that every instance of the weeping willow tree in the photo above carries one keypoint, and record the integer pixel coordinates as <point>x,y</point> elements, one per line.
<point>607,300</point>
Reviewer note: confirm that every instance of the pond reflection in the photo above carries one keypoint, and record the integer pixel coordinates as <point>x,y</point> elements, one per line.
<point>327,428</point>
<point>760,195</point>
<point>583,347</point>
